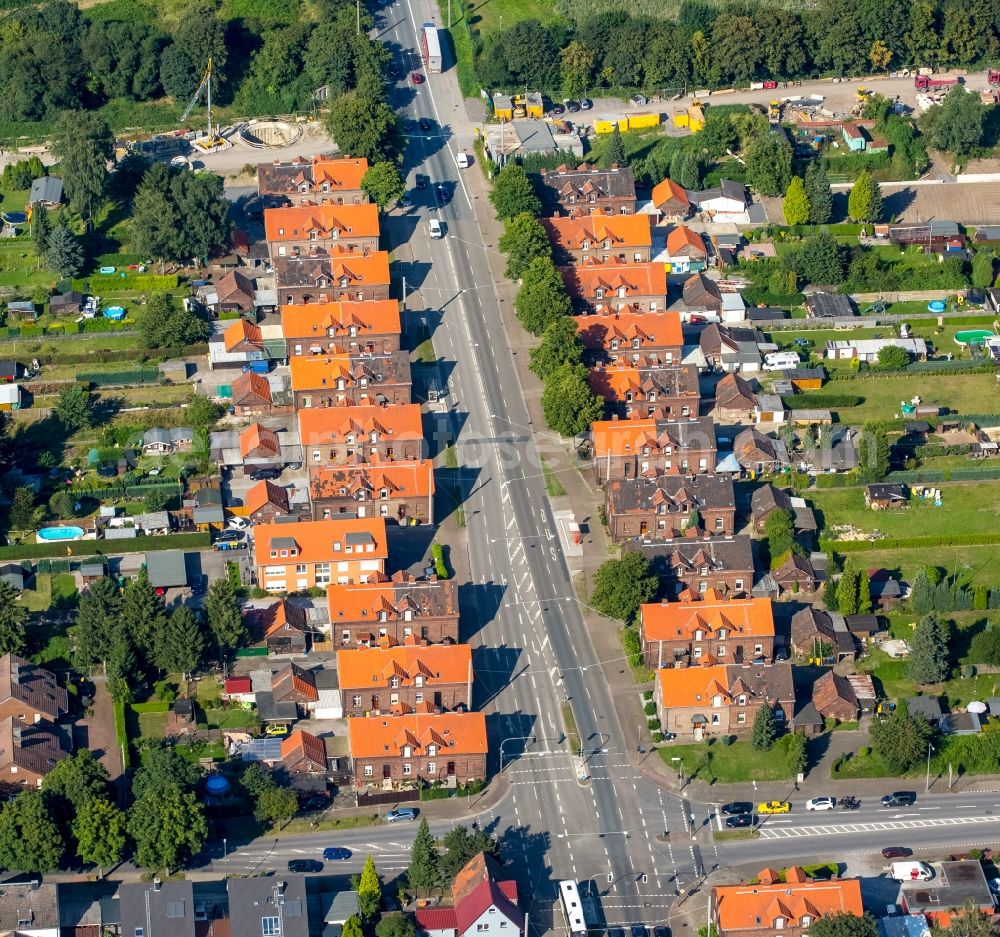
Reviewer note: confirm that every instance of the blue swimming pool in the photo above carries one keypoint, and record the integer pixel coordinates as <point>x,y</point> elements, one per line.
<point>55,534</point>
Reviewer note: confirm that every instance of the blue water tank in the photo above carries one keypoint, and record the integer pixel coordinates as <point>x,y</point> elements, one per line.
<point>216,785</point>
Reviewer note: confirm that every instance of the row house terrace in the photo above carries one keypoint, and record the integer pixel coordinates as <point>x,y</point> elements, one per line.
<point>706,629</point>
<point>353,433</point>
<point>388,752</point>
<point>341,328</point>
<point>587,190</point>
<point>399,680</point>
<point>698,565</point>
<point>398,491</point>
<point>324,382</point>
<point>340,277</point>
<point>649,447</point>
<point>670,506</point>
<point>654,337</point>
<point>315,230</point>
<point>401,610</point>
<point>625,238</point>
<point>313,554</point>
<point>607,287</point>
<point>320,180</point>
<point>645,391</point>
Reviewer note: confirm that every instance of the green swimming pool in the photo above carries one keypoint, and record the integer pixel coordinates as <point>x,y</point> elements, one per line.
<point>973,336</point>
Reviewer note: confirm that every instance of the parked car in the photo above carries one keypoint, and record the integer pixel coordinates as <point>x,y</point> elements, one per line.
<point>557,109</point>
<point>420,181</point>
<point>229,536</point>
<point>399,814</point>
<point>739,820</point>
<point>737,806</point>
<point>638,930</point>
<point>305,865</point>
<point>774,806</point>
<point>279,728</point>
<point>394,70</point>
<point>899,799</point>
<point>896,852</point>
<point>336,854</point>
<point>572,106</point>
<point>238,523</point>
<point>586,104</point>
<point>317,802</point>
<point>265,475</point>
<point>821,803</point>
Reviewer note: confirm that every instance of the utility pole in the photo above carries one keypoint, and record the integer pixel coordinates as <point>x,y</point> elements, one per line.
<point>358,4</point>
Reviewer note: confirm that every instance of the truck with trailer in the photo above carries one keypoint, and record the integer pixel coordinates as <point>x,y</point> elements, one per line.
<point>430,47</point>
<point>930,83</point>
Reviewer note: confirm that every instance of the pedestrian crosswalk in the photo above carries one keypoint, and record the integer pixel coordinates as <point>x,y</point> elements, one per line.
<point>790,832</point>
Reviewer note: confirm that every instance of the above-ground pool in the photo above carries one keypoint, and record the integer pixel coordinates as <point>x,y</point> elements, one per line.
<point>973,336</point>
<point>55,534</point>
<point>114,312</point>
<point>15,217</point>
<point>936,305</point>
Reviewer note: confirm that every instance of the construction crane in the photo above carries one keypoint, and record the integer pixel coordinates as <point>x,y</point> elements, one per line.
<point>206,84</point>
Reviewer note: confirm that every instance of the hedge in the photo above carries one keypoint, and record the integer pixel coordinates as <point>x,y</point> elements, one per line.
<point>28,551</point>
<point>821,401</point>
<point>109,378</point>
<point>910,543</point>
<point>121,735</point>
<point>132,281</point>
<point>154,706</point>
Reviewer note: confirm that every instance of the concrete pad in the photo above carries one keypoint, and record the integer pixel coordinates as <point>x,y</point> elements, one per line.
<point>563,520</point>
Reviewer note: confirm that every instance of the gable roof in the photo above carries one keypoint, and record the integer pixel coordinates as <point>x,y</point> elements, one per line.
<point>594,230</point>
<point>353,267</point>
<point>241,332</point>
<point>617,381</point>
<point>263,493</point>
<point>667,192</point>
<point>315,320</point>
<point>273,618</point>
<point>32,685</point>
<point>283,176</point>
<point>251,389</point>
<point>398,479</point>
<point>476,889</point>
<point>682,240</point>
<point>296,223</point>
<point>294,683</point>
<point>453,733</point>
<point>304,745</point>
<point>319,426</point>
<point>235,286</point>
<point>630,437</point>
<point>702,293</point>
<point>37,747</point>
<point>830,689</point>
<point>256,437</point>
<point>321,541</point>
<point>756,907</point>
<point>683,687</point>
<point>436,664</point>
<point>677,494</point>
<point>652,329</point>
<point>326,372</point>
<point>365,602</point>
<point>678,621</point>
<point>585,180</point>
<point>637,279</point>
<point>734,393</point>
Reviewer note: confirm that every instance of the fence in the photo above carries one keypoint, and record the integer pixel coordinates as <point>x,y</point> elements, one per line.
<point>811,323</point>
<point>93,548</point>
<point>381,798</point>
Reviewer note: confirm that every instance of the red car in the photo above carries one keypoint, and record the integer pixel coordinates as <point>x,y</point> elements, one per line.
<point>417,78</point>
<point>770,84</point>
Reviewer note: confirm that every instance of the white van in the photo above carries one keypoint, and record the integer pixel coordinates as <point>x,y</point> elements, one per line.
<point>779,360</point>
<point>464,160</point>
<point>912,872</point>
<point>434,226</point>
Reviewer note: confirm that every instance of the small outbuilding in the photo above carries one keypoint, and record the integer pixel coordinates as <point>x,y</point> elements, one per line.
<point>166,569</point>
<point>47,191</point>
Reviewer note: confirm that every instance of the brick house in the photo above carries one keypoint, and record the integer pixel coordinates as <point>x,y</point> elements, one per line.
<point>398,491</point>
<point>341,328</point>
<point>401,610</point>
<point>729,348</point>
<point>661,507</point>
<point>303,753</point>
<point>337,278</point>
<point>795,574</point>
<point>28,752</point>
<point>623,238</point>
<point>295,685</point>
<point>721,699</point>
<point>654,337</point>
<point>685,249</point>
<point>782,906</point>
<point>380,681</point>
<point>379,380</point>
<point>320,180</point>
<point>357,433</point>
<point>587,190</point>
<point>30,693</point>
<point>724,564</point>
<point>700,294</point>
<point>630,448</point>
<point>283,627</point>
<point>758,453</point>
<point>820,635</point>
<point>243,336</point>
<point>396,750</point>
<point>647,392</point>
<point>314,230</point>
<point>260,442</point>
<point>735,399</point>
<point>235,292</point>
<point>671,201</point>
<point>710,628</point>
<point>252,395</point>
<point>312,554</point>
<point>265,502</point>
<point>607,287</point>
<point>834,697</point>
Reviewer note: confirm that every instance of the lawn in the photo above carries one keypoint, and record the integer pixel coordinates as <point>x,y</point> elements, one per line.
<point>58,589</point>
<point>727,764</point>
<point>968,508</point>
<point>488,16</point>
<point>940,339</point>
<point>974,565</point>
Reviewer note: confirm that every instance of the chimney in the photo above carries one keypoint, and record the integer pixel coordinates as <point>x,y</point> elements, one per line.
<point>157,883</point>
<point>18,732</point>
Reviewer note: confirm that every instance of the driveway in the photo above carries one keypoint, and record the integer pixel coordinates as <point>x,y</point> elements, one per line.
<point>97,732</point>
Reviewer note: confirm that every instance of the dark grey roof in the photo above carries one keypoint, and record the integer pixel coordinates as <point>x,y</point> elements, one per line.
<point>46,189</point>
<point>13,573</point>
<point>358,537</point>
<point>92,569</point>
<point>557,184</point>
<point>338,907</point>
<point>284,543</point>
<point>988,233</point>
<point>213,515</point>
<point>803,373</point>
<point>702,293</point>
<point>768,498</point>
<point>886,492</point>
<point>927,706</point>
<point>684,493</point>
<point>727,188</point>
<point>721,554</point>
<point>862,624</point>
<point>28,906</point>
<point>208,496</point>
<point>961,724</point>
<point>152,909</point>
<point>270,711</point>
<point>166,568</point>
<point>957,883</point>
<point>157,436</point>
<point>70,300</point>
<point>282,896</point>
<point>830,306</point>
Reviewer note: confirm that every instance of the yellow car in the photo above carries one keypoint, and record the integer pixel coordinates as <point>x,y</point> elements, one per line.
<point>278,729</point>
<point>774,806</point>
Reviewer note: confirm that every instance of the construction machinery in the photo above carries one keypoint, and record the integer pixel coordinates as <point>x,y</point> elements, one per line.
<point>212,138</point>
<point>930,83</point>
<point>862,94</point>
<point>993,77</point>
<point>774,111</point>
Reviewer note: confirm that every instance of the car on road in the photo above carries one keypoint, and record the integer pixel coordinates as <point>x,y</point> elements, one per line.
<point>774,806</point>
<point>417,78</point>
<point>394,71</point>
<point>735,807</point>
<point>434,228</point>
<point>336,854</point>
<point>661,932</point>
<point>739,820</point>
<point>420,181</point>
<point>424,124</point>
<point>821,803</point>
<point>616,932</point>
<point>899,799</point>
<point>896,852</point>
<point>405,200</point>
<point>305,865</point>
<point>463,159</point>
<point>238,523</point>
<point>265,474</point>
<point>399,814</point>
<point>444,196</point>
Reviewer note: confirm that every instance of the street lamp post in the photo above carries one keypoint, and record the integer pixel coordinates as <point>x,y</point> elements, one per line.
<point>927,786</point>
<point>225,855</point>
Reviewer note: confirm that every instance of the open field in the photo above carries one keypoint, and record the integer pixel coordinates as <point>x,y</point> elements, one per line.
<point>727,764</point>
<point>974,565</point>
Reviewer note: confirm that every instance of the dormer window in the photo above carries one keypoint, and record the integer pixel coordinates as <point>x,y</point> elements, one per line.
<point>325,186</point>
<point>722,634</point>
<point>743,699</point>
<point>344,282</point>
<point>607,244</point>
<point>432,751</point>
<point>407,751</point>
<point>384,494</point>
<point>394,683</point>
<point>621,292</point>
<point>779,923</point>
<point>599,292</point>
<point>806,920</point>
<point>419,681</point>
<point>585,245</point>
<point>699,635</point>
<point>636,343</point>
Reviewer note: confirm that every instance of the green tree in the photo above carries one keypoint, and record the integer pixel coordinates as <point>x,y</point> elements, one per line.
<point>96,614</point>
<point>424,870</point>
<point>142,614</point>
<point>365,129</point>
<point>84,144</point>
<point>168,826</point>
<point>352,928</point>
<point>796,205</point>
<point>165,323</point>
<point>957,123</point>
<point>796,755</point>
<point>225,619</point>
<point>865,201</point>
<point>542,297</point>
<point>383,183</point>
<point>560,345</point>
<point>873,456</point>
<point>576,66</point>
<point>779,529</point>
<point>275,804</point>
<point>369,891</point>
<point>686,169</point>
<point>893,358</point>
<point>900,741</point>
<point>930,659</point>
<point>41,227</point>
<point>461,845</point>
<point>99,830</point>
<point>844,925</point>
<point>614,152</point>
<point>847,591</point>
<point>621,586</point>
<point>971,922</point>
<point>880,55</point>
<point>982,268</point>
<point>64,252</point>
<point>74,781</point>
<point>818,192</point>
<point>985,646</point>
<point>764,731</point>
<point>768,164</point>
<point>569,405</point>
<point>523,240</point>
<point>864,594</point>
<point>74,408</point>
<point>30,840</point>
<point>12,621</point>
<point>513,193</point>
<point>63,505</point>
<point>157,499</point>
<point>22,509</point>
<point>820,260</point>
<point>397,924</point>
<point>161,767</point>
<point>179,644</point>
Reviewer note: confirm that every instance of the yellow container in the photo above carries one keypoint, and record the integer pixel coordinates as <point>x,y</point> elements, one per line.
<point>605,124</point>
<point>680,118</point>
<point>696,118</point>
<point>639,121</point>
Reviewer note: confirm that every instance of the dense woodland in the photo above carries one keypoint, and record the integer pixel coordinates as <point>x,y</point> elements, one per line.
<point>716,44</point>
